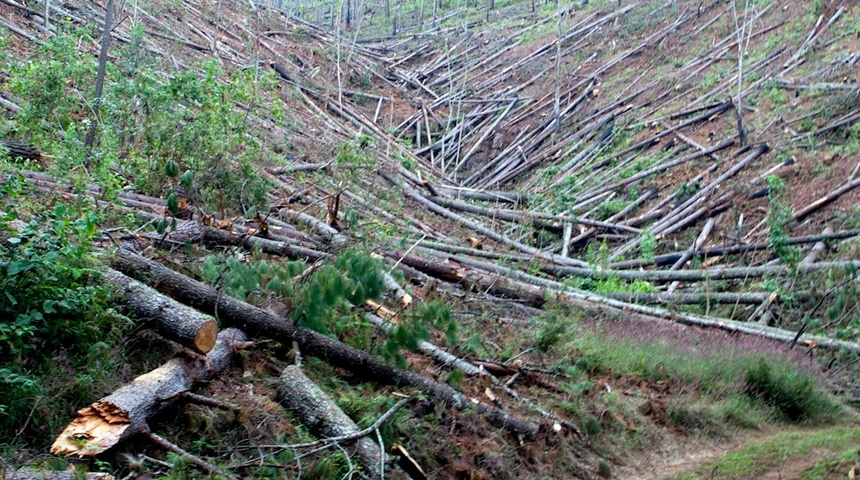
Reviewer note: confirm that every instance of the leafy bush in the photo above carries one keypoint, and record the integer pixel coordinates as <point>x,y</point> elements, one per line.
<point>150,127</point>
<point>53,315</point>
<point>792,394</point>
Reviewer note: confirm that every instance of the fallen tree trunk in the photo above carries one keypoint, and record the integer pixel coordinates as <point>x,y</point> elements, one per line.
<point>484,195</point>
<point>670,258</point>
<point>725,273</point>
<point>259,322</point>
<point>169,318</point>
<point>317,411</point>
<point>533,290</point>
<point>272,247</point>
<point>731,298</point>
<point>55,475</point>
<point>128,410</point>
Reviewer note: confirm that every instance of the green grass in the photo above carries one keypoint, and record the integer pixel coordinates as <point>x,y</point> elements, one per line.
<point>745,382</point>
<point>838,444</point>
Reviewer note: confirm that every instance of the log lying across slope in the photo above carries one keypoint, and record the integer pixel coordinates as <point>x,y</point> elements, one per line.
<point>128,410</point>
<point>173,320</point>
<point>258,322</point>
<point>324,419</point>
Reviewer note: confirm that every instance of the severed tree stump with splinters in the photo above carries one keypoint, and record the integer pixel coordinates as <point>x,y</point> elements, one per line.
<point>128,410</point>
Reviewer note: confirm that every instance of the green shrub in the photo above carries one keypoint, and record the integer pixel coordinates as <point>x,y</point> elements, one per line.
<point>793,394</point>
<point>150,127</point>
<point>53,316</point>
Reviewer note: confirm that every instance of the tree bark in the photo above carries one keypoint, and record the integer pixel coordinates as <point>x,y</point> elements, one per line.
<point>128,410</point>
<point>100,77</point>
<point>55,475</point>
<point>259,322</point>
<point>169,318</point>
<point>317,411</point>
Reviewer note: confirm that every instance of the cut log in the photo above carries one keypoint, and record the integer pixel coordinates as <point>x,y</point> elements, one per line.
<point>55,475</point>
<point>317,411</point>
<point>128,410</point>
<point>24,151</point>
<point>272,247</point>
<point>169,318</point>
<point>260,322</point>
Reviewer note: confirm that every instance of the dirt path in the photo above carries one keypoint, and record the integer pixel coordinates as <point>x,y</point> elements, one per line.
<point>691,454</point>
<point>676,457</point>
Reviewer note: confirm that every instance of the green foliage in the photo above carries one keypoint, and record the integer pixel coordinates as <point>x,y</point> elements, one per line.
<point>251,279</point>
<point>792,394</point>
<point>648,245</point>
<point>778,217</point>
<point>719,371</point>
<point>150,127</point>
<point>354,278</point>
<point>551,330</point>
<point>322,300</point>
<point>52,311</point>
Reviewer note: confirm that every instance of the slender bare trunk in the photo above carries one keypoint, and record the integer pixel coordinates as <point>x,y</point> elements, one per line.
<point>100,79</point>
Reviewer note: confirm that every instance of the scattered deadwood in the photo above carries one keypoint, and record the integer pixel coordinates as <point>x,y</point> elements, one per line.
<point>317,411</point>
<point>721,273</point>
<point>412,193</point>
<point>670,258</point>
<point>128,410</point>
<point>169,318</point>
<point>512,283</point>
<point>259,322</point>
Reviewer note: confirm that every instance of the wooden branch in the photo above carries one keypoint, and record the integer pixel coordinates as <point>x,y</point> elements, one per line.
<point>169,318</point>
<point>830,197</point>
<point>172,447</point>
<point>317,411</point>
<point>127,411</point>
<point>427,348</point>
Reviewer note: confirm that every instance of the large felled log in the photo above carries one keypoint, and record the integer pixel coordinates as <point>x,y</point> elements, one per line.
<point>324,418</point>
<point>55,475</point>
<point>128,410</point>
<point>721,273</point>
<point>260,322</point>
<point>22,150</point>
<point>169,318</point>
<point>273,247</point>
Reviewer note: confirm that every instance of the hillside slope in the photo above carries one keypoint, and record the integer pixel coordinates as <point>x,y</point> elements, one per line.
<point>629,232</point>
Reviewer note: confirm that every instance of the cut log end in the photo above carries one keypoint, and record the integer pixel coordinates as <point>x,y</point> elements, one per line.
<point>206,336</point>
<point>95,429</point>
<point>54,475</point>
